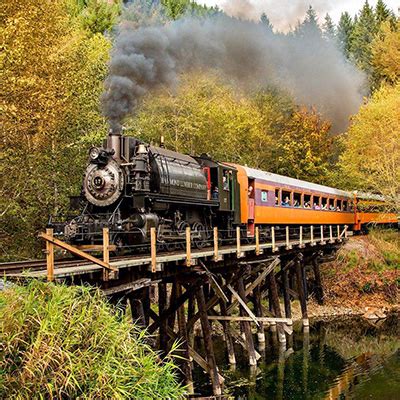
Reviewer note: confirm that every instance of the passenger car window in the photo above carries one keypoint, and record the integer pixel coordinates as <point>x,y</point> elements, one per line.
<point>264,196</point>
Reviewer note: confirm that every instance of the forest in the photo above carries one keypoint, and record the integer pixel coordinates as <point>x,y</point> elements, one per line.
<point>55,59</point>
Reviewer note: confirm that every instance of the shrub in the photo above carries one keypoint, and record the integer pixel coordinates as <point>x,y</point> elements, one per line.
<point>66,342</point>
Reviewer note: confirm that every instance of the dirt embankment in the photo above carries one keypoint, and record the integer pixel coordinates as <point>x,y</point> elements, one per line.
<point>364,278</point>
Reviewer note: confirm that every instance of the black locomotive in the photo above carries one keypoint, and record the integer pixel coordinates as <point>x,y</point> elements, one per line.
<point>130,186</point>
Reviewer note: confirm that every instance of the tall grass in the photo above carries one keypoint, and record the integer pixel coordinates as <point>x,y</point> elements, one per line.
<point>65,342</point>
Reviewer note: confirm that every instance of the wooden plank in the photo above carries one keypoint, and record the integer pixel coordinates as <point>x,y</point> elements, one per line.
<point>188,247</point>
<point>95,247</point>
<point>234,318</point>
<point>273,239</point>
<point>153,249</point>
<point>322,234</point>
<point>77,252</point>
<point>301,237</point>
<point>258,251</point>
<point>238,250</point>
<point>50,256</point>
<point>242,303</point>
<point>216,257</point>
<point>312,235</point>
<point>288,246</point>
<point>106,253</point>
<point>330,234</point>
<point>130,287</point>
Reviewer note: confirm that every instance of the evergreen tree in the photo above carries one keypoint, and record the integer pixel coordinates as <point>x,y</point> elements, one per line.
<point>328,29</point>
<point>362,36</point>
<point>382,13</point>
<point>309,27</point>
<point>264,20</point>
<point>344,33</point>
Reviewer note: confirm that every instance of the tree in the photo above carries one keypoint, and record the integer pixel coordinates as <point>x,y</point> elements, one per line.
<point>177,8</point>
<point>371,157</point>
<point>99,16</point>
<point>344,33</point>
<point>264,20</point>
<point>304,147</point>
<point>362,36</point>
<point>382,13</point>
<point>50,106</point>
<point>309,27</point>
<point>328,29</point>
<point>386,53</point>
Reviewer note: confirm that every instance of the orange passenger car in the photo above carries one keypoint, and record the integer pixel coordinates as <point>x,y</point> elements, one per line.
<point>271,199</point>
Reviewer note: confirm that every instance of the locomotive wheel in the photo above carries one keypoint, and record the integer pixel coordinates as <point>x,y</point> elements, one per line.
<point>200,230</point>
<point>181,229</point>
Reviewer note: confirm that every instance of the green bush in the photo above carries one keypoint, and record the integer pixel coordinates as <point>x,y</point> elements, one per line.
<point>66,342</point>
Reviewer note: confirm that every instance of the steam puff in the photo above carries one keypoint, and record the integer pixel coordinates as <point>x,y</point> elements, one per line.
<point>312,70</point>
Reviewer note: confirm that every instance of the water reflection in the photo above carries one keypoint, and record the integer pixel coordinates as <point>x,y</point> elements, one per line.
<point>345,359</point>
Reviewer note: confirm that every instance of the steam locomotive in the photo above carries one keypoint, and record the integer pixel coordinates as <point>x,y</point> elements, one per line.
<point>130,187</point>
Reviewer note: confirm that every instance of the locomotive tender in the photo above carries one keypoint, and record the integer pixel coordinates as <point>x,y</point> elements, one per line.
<point>130,186</point>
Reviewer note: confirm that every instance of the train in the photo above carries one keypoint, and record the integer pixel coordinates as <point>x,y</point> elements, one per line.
<point>130,186</point>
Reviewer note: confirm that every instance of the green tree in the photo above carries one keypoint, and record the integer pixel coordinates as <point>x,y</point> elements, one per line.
<point>264,20</point>
<point>177,8</point>
<point>99,16</point>
<point>328,29</point>
<point>309,27</point>
<point>383,14</point>
<point>371,157</point>
<point>362,36</point>
<point>344,33</point>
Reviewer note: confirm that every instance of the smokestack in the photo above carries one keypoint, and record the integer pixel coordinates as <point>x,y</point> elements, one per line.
<point>114,141</point>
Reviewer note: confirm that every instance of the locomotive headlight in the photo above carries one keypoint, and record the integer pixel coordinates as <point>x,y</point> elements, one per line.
<point>94,153</point>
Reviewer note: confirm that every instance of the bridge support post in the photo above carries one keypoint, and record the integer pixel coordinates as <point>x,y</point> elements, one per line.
<point>318,283</point>
<point>259,313</point>
<point>186,365</point>
<point>228,337</point>
<point>162,306</point>
<point>301,292</point>
<point>286,295</point>
<point>274,296</point>
<point>246,325</point>
<point>50,256</point>
<point>212,365</point>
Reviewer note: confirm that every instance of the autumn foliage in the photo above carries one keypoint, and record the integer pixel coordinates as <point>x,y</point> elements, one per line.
<point>54,62</point>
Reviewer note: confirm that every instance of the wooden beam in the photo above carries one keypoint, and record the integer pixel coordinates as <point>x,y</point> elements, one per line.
<point>50,256</point>
<point>243,304</point>
<point>301,237</point>
<point>216,257</point>
<point>258,251</point>
<point>238,251</point>
<point>106,253</point>
<point>208,344</point>
<point>129,287</point>
<point>288,246</point>
<point>215,285</point>
<point>273,239</point>
<point>186,367</point>
<point>235,318</point>
<point>330,234</point>
<point>312,235</point>
<point>257,281</point>
<point>153,249</point>
<point>188,247</point>
<point>77,252</point>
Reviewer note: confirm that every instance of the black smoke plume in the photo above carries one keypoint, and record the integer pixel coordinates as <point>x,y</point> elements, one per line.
<point>311,69</point>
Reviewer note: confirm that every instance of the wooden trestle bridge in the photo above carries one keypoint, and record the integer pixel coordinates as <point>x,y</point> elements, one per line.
<point>203,286</point>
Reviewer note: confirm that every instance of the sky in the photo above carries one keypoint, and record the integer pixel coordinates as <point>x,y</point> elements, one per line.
<point>284,14</point>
